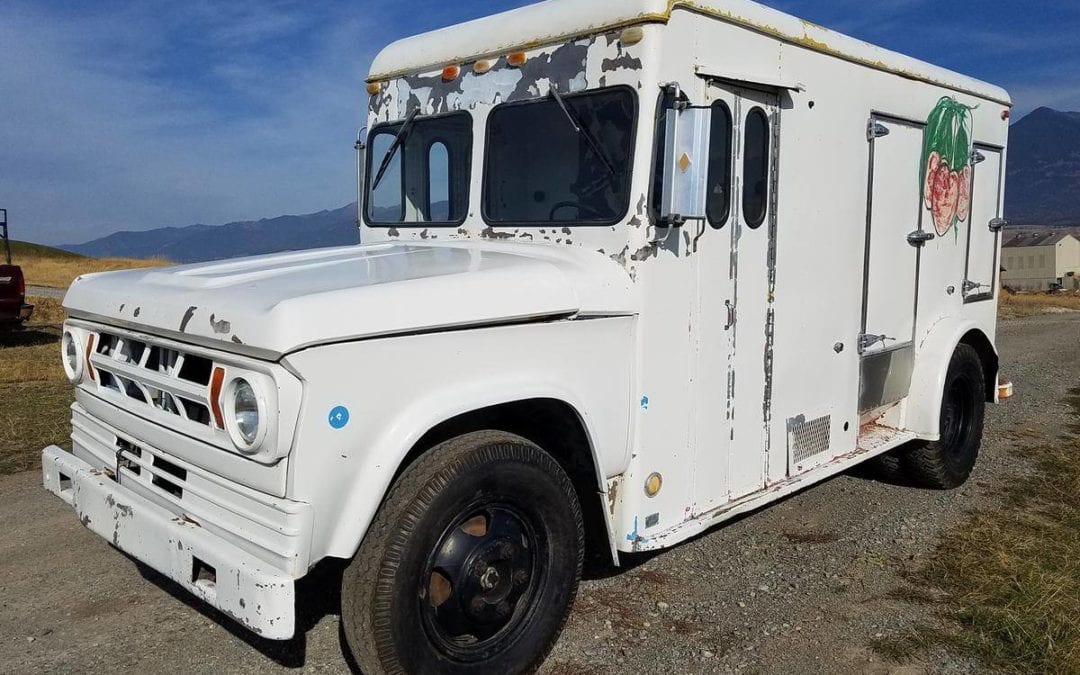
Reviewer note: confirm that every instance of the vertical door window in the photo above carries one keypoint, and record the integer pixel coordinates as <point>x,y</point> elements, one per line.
<point>718,199</point>
<point>438,182</point>
<point>756,168</point>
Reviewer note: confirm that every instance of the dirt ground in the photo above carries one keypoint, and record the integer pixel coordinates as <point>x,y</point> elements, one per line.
<point>805,586</point>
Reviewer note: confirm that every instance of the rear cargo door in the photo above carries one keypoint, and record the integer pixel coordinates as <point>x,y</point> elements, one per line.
<point>891,263</point>
<point>984,233</point>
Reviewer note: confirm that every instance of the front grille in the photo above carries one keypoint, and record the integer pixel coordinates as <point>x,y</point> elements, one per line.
<point>166,379</point>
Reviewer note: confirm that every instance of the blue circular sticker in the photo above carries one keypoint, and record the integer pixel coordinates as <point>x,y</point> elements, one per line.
<point>339,417</point>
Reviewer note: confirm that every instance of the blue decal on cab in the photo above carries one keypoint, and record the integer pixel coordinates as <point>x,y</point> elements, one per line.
<point>339,417</point>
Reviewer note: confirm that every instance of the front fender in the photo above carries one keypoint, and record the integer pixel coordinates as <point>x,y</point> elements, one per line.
<point>932,360</point>
<point>407,386</point>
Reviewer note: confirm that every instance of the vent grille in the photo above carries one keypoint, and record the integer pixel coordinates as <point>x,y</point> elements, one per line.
<point>166,379</point>
<point>808,439</point>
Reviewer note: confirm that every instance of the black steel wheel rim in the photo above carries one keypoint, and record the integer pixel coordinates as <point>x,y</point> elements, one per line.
<point>480,582</point>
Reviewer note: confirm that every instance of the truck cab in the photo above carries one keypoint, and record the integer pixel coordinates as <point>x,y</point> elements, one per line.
<point>629,270</point>
<point>14,310</point>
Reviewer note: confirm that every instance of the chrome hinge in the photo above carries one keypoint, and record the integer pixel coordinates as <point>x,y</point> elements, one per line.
<point>999,224</point>
<point>970,286</point>
<point>977,157</point>
<point>866,341</point>
<point>920,237</point>
<point>732,315</point>
<point>875,129</point>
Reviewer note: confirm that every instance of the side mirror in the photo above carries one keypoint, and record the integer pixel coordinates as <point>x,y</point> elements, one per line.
<point>686,165</point>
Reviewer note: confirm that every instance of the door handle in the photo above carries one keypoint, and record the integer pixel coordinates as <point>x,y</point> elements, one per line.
<point>731,315</point>
<point>920,237</point>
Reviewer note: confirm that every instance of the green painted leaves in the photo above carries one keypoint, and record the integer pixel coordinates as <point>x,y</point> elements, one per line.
<point>946,164</point>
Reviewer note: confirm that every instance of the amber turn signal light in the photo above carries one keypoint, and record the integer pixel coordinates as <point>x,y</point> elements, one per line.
<point>517,59</point>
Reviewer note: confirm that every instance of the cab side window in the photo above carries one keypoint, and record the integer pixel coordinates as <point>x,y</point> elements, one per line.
<point>756,168</point>
<point>718,199</point>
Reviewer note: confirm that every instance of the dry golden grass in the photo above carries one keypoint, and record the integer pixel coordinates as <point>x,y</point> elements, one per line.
<point>1030,304</point>
<point>35,397</point>
<point>47,312</point>
<point>59,272</point>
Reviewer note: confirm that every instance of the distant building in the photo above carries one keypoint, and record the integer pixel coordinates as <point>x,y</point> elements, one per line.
<point>1040,262</point>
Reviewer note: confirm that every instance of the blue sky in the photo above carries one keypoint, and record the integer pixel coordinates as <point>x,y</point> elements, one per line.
<point>131,115</point>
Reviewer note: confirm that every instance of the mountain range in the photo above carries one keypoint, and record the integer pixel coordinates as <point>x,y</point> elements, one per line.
<point>1043,182</point>
<point>1043,190</point>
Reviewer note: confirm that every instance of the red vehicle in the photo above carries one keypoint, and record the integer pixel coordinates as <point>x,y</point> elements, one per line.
<point>13,308</point>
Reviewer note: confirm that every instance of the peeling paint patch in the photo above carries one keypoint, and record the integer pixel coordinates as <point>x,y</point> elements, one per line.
<point>490,233</point>
<point>221,327</point>
<point>633,536</point>
<point>622,61</point>
<point>644,402</point>
<point>645,253</point>
<point>187,318</point>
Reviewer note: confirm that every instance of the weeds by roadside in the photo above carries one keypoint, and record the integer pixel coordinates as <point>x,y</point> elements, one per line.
<point>1010,577</point>
<point>1030,304</point>
<point>34,392</point>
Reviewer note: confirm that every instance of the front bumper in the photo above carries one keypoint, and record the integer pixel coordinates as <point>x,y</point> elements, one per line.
<point>219,573</point>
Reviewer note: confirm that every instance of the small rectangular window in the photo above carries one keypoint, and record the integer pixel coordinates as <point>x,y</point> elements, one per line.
<point>718,199</point>
<point>756,168</point>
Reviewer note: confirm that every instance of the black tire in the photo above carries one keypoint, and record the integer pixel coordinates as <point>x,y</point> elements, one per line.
<point>947,464</point>
<point>470,566</point>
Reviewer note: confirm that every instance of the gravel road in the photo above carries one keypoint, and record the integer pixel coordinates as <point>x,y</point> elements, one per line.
<point>805,586</point>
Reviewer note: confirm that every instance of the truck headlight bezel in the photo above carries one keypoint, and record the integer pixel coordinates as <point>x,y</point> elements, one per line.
<point>71,356</point>
<point>243,400</point>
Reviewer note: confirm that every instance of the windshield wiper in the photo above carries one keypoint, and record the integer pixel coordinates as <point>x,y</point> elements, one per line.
<point>394,147</point>
<point>582,131</point>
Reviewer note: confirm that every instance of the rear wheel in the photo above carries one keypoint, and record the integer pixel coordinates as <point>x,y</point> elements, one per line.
<point>947,463</point>
<point>471,565</point>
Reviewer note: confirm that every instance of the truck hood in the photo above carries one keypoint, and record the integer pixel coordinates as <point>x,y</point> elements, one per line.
<point>269,306</point>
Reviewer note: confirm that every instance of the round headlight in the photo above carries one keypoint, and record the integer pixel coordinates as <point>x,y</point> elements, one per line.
<point>244,414</point>
<point>71,354</point>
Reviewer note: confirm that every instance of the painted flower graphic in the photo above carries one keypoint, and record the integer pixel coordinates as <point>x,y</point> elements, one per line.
<point>946,164</point>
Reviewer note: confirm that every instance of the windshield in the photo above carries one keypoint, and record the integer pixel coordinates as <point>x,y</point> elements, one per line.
<point>418,171</point>
<point>565,158</point>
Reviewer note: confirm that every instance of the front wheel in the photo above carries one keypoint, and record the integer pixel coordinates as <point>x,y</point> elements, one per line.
<point>471,564</point>
<point>948,463</point>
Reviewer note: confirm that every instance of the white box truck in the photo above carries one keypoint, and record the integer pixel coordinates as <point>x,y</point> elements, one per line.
<point>630,268</point>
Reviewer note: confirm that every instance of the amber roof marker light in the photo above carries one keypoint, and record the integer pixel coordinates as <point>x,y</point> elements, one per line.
<point>632,35</point>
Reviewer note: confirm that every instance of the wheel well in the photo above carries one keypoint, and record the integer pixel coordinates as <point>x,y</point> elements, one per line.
<point>556,427</point>
<point>978,341</point>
